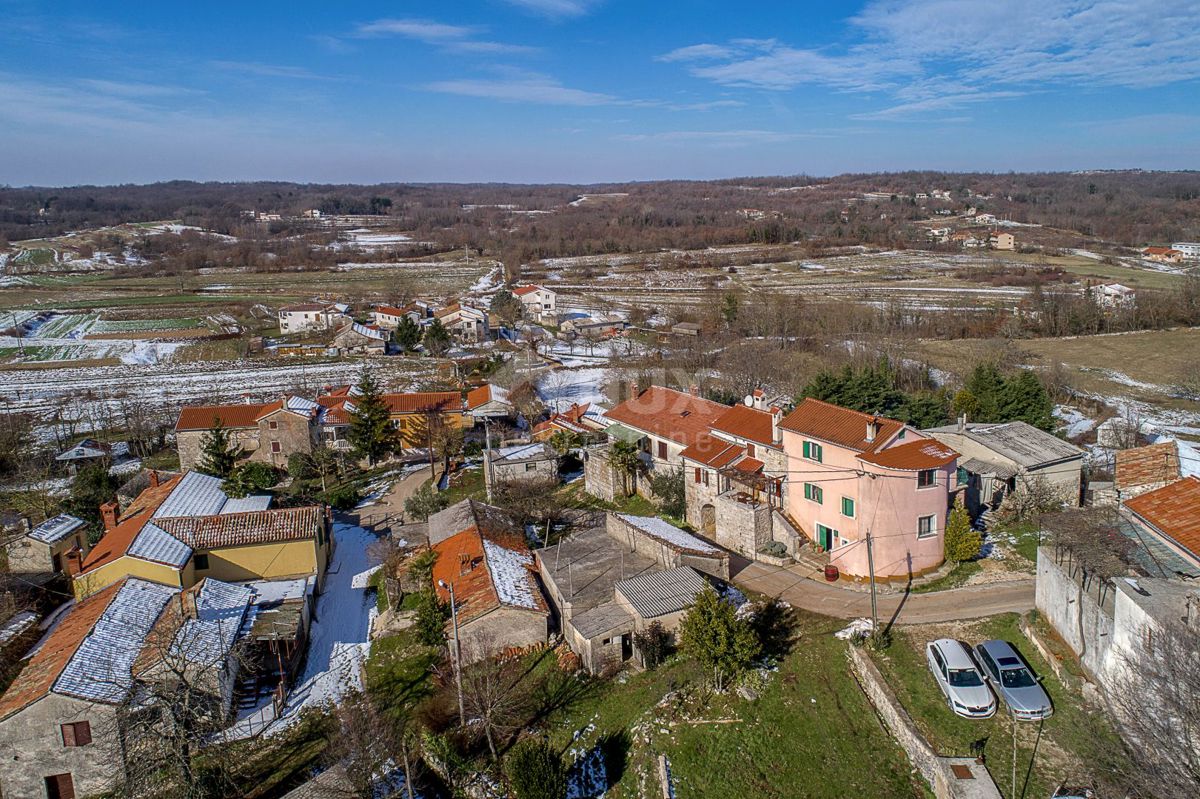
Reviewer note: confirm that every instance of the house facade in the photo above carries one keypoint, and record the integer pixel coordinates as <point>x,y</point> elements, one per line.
<point>310,317</point>
<point>390,317</point>
<point>852,474</point>
<point>358,339</point>
<point>520,463</point>
<point>464,322</point>
<point>56,546</point>
<point>1189,249</point>
<point>266,432</point>
<point>539,302</point>
<point>490,403</point>
<point>999,240</point>
<point>1162,255</point>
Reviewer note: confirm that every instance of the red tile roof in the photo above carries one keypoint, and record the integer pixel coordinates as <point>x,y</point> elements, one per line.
<point>1160,251</point>
<point>745,422</point>
<point>714,452</point>
<point>1157,463</point>
<point>461,563</point>
<point>245,529</point>
<point>418,402</point>
<point>388,310</point>
<point>1174,510</point>
<point>335,408</point>
<point>841,426</point>
<point>924,453</point>
<point>115,542</point>
<point>749,465</point>
<point>669,414</point>
<point>39,674</point>
<point>521,291</point>
<point>200,417</point>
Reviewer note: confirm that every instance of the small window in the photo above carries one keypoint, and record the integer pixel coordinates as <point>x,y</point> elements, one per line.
<point>275,446</point>
<point>201,563</point>
<point>814,493</point>
<point>848,507</point>
<point>750,449</point>
<point>60,786</point>
<point>926,478</point>
<point>698,470</point>
<point>962,477</point>
<point>77,734</point>
<point>274,425</point>
<point>531,467</point>
<point>662,450</point>
<point>900,435</point>
<point>926,526</point>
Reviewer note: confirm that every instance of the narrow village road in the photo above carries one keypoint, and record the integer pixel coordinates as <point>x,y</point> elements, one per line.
<point>972,602</point>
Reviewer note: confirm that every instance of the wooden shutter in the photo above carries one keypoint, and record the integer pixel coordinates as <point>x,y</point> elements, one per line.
<point>807,450</point>
<point>60,786</point>
<point>697,474</point>
<point>662,450</point>
<point>83,733</point>
<point>68,734</point>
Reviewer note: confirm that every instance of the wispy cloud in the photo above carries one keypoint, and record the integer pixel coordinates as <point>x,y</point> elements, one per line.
<point>259,69</point>
<point>556,9</point>
<point>936,55</point>
<point>455,38</point>
<point>720,138</point>
<point>133,89</point>
<point>524,88</point>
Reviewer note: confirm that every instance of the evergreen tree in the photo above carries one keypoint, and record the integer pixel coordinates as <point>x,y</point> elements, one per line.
<point>217,455</point>
<point>437,339</point>
<point>536,770</point>
<point>507,307</point>
<point>924,409</point>
<point>961,542</point>
<point>1024,398</point>
<point>92,487</point>
<point>965,402</point>
<point>729,308</point>
<point>408,334</point>
<point>713,635</point>
<point>371,432</point>
<point>986,384</point>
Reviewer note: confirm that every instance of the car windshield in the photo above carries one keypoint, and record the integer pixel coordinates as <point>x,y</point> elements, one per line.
<point>1016,678</point>
<point>964,678</point>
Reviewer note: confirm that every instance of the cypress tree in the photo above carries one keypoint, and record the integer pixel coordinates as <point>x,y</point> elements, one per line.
<point>408,334</point>
<point>217,455</point>
<point>371,432</point>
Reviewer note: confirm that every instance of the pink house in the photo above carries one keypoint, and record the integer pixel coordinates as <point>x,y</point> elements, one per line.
<point>851,473</point>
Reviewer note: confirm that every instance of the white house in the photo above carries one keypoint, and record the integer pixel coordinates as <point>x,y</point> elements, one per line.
<point>538,301</point>
<point>1112,295</point>
<point>389,317</point>
<point>464,322</point>
<point>311,316</point>
<point>1190,249</point>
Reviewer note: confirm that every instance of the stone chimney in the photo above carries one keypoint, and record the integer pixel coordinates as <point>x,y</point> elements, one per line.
<point>694,389</point>
<point>872,428</point>
<point>109,512</point>
<point>154,482</point>
<point>776,418</point>
<point>962,423</point>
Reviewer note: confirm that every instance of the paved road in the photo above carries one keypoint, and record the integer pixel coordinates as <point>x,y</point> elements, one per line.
<point>958,603</point>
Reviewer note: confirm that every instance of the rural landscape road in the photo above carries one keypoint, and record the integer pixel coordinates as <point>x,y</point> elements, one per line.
<point>830,600</point>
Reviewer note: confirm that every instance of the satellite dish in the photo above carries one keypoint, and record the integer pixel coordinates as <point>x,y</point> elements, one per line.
<point>749,400</point>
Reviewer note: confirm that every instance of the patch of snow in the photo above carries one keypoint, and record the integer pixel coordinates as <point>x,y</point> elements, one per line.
<point>859,628</point>
<point>667,532</point>
<point>511,575</point>
<point>1076,423</point>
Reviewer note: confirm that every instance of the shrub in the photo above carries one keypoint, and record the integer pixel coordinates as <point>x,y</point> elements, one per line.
<point>248,478</point>
<point>300,466</point>
<point>536,771</point>
<point>668,488</point>
<point>776,549</point>
<point>424,502</point>
<point>714,635</point>
<point>962,542</point>
<point>653,644</point>
<point>431,618</point>
<point>344,497</point>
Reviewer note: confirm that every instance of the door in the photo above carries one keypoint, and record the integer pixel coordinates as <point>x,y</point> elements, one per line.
<point>60,786</point>
<point>708,520</point>
<point>626,647</point>
<point>825,537</point>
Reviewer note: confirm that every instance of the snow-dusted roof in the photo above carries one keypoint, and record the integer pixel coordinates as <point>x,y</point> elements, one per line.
<point>156,544</point>
<point>220,613</point>
<point>56,529</point>
<point>302,405</point>
<point>18,625</point>
<point>101,667</point>
<point>523,452</point>
<point>273,591</point>
<point>246,504</point>
<point>196,495</point>
<point>510,571</point>
<point>667,533</point>
<point>368,332</point>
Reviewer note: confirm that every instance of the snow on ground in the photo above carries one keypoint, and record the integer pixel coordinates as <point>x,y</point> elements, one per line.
<point>559,388</point>
<point>1077,423</point>
<point>339,641</point>
<point>489,282</point>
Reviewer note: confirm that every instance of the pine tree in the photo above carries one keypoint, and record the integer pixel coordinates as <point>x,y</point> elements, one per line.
<point>437,339</point>
<point>371,432</point>
<point>507,307</point>
<point>714,636</point>
<point>961,541</point>
<point>986,385</point>
<point>1025,399</point>
<point>408,334</point>
<point>217,455</point>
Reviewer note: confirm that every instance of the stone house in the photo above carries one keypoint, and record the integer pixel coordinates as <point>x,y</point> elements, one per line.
<point>998,459</point>
<point>266,432</point>
<point>1162,255</point>
<point>520,463</point>
<point>1144,469</point>
<point>539,302</point>
<point>308,317</point>
<point>855,474</point>
<point>607,583</point>
<point>359,339</point>
<point>483,557</point>
<point>490,403</point>
<point>56,546</point>
<point>181,531</point>
<point>663,423</point>
<point>58,731</point>
<point>464,322</point>
<point>1170,516</point>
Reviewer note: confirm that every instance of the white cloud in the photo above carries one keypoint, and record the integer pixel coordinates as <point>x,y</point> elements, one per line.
<point>259,69</point>
<point>523,88</point>
<point>699,52</point>
<point>133,90</point>
<point>456,38</point>
<point>556,8</point>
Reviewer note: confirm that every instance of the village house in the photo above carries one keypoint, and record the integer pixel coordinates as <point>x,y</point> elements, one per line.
<point>520,463</point>
<point>59,732</point>
<point>90,450</point>
<point>359,339</point>
<point>179,532</point>
<point>389,317</point>
<point>490,403</point>
<point>691,329</point>
<point>593,327</point>
<point>310,317</point>
<point>411,414</point>
<point>999,240</point>
<point>998,459</point>
<point>581,419</point>
<point>539,302</point>
<point>1190,250</point>
<point>1171,516</point>
<point>610,582</point>
<point>1162,255</point>
<point>464,322</point>
<point>56,546</point>
<point>984,219</point>
<point>1111,295</point>
<point>483,557</point>
<point>966,239</point>
<point>853,474</point>
<point>265,432</point>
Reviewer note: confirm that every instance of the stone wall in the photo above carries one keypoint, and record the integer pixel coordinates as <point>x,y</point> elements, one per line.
<point>190,444</point>
<point>668,557</point>
<point>1075,614</point>
<point>699,494</point>
<point>292,433</point>
<point>503,628</point>
<point>742,526</point>
<point>543,469</point>
<point>600,479</point>
<point>31,748</point>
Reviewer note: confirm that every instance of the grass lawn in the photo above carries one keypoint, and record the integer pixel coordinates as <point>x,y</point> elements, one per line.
<point>800,738</point>
<point>953,579</point>
<point>465,484</point>
<point>1047,753</point>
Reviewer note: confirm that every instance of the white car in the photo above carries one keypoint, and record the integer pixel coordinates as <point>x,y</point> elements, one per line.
<point>960,679</point>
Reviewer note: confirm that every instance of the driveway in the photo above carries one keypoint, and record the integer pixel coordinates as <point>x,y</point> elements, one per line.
<point>790,584</point>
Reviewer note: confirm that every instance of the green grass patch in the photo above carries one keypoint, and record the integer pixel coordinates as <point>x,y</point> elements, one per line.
<point>1047,752</point>
<point>465,484</point>
<point>400,670</point>
<point>955,578</point>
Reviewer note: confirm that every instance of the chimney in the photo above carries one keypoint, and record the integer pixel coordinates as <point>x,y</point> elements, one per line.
<point>962,423</point>
<point>872,428</point>
<point>758,397</point>
<point>154,478</point>
<point>622,390</point>
<point>694,389</point>
<point>776,418</point>
<point>73,564</point>
<point>109,512</point>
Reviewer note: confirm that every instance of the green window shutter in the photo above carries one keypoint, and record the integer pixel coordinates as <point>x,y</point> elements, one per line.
<point>806,450</point>
<point>808,490</point>
<point>817,452</point>
<point>848,507</point>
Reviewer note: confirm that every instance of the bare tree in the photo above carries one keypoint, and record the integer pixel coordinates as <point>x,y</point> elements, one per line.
<point>494,693</point>
<point>372,742</point>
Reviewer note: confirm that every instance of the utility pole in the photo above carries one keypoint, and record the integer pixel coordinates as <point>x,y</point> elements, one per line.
<point>871,570</point>
<point>462,716</point>
<point>1013,718</point>
<point>490,477</point>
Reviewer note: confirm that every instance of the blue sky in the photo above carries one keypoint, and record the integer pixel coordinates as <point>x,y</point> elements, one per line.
<point>591,90</point>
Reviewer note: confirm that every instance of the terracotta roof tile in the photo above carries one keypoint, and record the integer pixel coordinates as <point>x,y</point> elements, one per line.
<point>749,465</point>
<point>521,291</point>
<point>463,564</point>
<point>1174,510</point>
<point>840,426</point>
<point>745,422</point>
<point>923,453</point>
<point>667,413</point>
<point>243,529</point>
<point>419,402</point>
<point>712,451</point>
<point>39,674</point>
<point>1157,463</point>
<point>200,417</point>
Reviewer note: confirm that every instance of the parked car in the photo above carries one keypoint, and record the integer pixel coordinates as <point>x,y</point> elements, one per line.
<point>959,678</point>
<point>1013,682</point>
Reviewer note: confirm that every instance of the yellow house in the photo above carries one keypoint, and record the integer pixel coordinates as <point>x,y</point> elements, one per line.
<point>410,413</point>
<point>187,529</point>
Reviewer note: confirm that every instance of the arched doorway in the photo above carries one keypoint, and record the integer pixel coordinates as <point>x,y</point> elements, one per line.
<point>708,520</point>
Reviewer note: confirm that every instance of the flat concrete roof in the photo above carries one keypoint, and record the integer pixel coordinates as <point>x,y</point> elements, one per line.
<point>587,566</point>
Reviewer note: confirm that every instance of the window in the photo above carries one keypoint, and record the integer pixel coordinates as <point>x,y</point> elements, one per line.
<point>275,446</point>
<point>900,435</point>
<point>698,474</point>
<point>274,425</point>
<point>848,507</point>
<point>962,476</point>
<point>201,563</point>
<point>813,493</point>
<point>531,467</point>
<point>60,786</point>
<point>812,451</point>
<point>78,733</point>
<point>662,450</point>
<point>926,526</point>
<point>749,449</point>
<point>926,478</point>
<point>706,476</point>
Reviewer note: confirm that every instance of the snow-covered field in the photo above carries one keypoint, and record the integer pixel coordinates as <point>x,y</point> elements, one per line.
<point>559,388</point>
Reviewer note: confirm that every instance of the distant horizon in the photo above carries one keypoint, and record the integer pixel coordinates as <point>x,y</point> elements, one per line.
<point>581,92</point>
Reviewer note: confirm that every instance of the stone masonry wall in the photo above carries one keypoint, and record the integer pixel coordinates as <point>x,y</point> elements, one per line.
<point>600,479</point>
<point>31,748</point>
